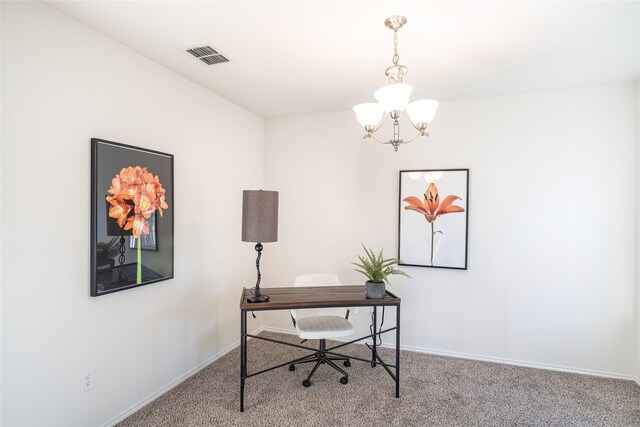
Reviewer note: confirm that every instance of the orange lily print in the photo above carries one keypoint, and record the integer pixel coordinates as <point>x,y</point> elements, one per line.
<point>432,208</point>
<point>134,195</point>
<point>135,189</point>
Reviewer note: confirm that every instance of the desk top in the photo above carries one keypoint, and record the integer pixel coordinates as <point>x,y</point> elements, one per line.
<point>315,297</point>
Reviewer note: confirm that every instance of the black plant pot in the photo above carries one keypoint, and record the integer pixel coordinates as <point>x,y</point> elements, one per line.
<point>374,289</point>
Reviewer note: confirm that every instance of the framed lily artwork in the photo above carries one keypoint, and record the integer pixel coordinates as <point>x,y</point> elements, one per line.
<point>433,218</point>
<point>131,212</point>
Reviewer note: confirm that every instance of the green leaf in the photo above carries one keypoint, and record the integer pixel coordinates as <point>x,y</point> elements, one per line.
<point>363,272</point>
<point>389,262</point>
<point>375,267</point>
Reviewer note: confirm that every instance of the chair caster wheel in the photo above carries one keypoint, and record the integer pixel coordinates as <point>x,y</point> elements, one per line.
<point>373,365</point>
<point>344,380</point>
<point>347,363</point>
<point>306,383</point>
<point>292,367</point>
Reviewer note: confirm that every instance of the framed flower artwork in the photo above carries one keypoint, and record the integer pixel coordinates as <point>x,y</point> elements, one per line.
<point>433,218</point>
<point>131,212</point>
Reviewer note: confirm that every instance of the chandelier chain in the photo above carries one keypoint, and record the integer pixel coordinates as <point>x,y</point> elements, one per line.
<point>396,57</point>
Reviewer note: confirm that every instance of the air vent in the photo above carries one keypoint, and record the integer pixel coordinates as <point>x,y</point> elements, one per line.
<point>208,55</point>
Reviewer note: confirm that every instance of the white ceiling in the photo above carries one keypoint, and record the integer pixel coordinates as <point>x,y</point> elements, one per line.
<point>301,57</point>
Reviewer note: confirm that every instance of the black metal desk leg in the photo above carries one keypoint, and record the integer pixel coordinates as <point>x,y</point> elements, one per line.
<point>374,349</point>
<point>397,350</point>
<point>243,355</point>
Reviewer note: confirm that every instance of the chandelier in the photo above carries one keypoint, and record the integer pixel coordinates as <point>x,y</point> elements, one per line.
<point>393,99</point>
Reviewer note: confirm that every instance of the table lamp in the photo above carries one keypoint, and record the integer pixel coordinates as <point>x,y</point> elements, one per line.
<point>259,225</point>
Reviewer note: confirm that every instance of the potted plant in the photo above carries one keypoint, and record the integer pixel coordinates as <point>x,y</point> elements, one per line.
<point>377,269</point>
<point>107,251</point>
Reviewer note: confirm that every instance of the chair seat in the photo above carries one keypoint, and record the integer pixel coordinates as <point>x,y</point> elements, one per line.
<point>324,327</point>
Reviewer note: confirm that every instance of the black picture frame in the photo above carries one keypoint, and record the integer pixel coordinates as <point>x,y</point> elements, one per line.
<point>410,250</point>
<point>108,157</point>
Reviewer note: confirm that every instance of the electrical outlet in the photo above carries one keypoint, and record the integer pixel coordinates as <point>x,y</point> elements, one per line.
<point>87,381</point>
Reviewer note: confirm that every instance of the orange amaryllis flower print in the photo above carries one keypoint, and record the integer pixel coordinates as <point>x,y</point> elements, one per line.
<point>431,208</point>
<point>138,190</point>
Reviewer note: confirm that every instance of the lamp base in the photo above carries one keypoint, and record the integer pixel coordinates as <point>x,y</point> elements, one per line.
<point>258,298</point>
<point>257,295</point>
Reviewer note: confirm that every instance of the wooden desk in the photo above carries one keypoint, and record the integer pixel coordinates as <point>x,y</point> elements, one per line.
<point>319,297</point>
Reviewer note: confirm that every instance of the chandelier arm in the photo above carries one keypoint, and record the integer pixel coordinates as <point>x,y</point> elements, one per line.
<point>423,131</point>
<point>384,117</point>
<point>371,135</point>
<point>411,121</point>
<point>370,132</point>
<point>415,137</point>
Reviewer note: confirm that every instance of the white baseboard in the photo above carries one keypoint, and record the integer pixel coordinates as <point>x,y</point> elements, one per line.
<point>281,330</point>
<point>516,362</point>
<point>153,396</point>
<point>500,360</point>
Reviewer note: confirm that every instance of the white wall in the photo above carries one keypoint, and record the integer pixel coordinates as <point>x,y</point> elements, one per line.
<point>552,222</point>
<point>63,83</point>
<point>638,259</point>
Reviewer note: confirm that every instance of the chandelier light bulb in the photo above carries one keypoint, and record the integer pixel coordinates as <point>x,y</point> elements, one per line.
<point>422,111</point>
<point>394,97</point>
<point>369,114</point>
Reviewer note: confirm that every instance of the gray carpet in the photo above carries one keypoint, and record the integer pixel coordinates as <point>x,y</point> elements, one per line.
<point>435,391</point>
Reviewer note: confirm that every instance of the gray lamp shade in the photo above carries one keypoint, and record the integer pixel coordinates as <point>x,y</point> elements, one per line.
<point>259,216</point>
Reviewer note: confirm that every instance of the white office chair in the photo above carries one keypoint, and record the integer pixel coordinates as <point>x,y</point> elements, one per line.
<point>329,323</point>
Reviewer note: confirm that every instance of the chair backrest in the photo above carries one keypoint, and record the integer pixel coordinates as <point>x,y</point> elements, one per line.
<point>317,280</point>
